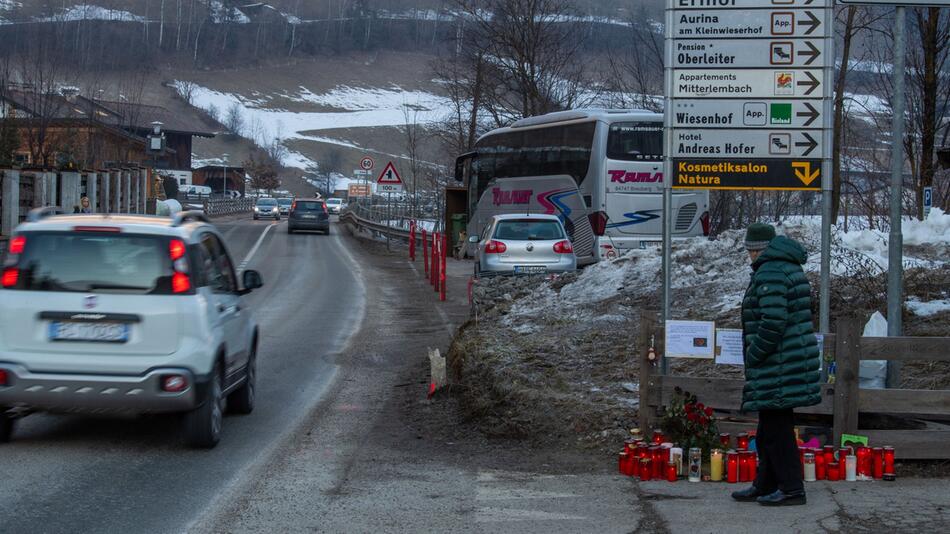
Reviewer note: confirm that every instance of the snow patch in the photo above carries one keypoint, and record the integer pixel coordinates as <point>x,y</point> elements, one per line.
<point>928,308</point>
<point>90,12</point>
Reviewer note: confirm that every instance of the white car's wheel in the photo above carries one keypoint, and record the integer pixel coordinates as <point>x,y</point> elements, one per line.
<point>203,424</point>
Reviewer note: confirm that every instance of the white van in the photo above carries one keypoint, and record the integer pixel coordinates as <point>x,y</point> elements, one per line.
<point>196,190</point>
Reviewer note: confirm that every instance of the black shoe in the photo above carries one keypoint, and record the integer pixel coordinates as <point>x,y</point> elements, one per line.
<point>748,495</point>
<point>780,498</point>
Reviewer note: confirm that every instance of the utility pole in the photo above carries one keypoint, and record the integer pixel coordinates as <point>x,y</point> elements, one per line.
<point>895,242</point>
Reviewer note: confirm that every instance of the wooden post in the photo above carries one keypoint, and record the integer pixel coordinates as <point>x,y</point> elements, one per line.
<point>648,378</point>
<point>847,362</point>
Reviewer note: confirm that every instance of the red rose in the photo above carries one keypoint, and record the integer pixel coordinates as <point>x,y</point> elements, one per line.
<point>692,417</point>
<point>688,408</point>
<point>700,406</point>
<point>709,411</point>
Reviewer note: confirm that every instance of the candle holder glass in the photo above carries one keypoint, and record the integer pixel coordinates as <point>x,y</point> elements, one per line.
<point>732,467</point>
<point>695,464</point>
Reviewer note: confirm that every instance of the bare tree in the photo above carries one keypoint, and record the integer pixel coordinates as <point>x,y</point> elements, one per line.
<point>413,133</point>
<point>234,119</point>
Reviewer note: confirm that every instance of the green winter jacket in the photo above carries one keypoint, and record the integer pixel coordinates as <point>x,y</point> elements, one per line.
<point>781,352</point>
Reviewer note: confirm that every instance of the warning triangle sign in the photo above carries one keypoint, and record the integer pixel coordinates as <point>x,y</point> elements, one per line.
<point>389,175</point>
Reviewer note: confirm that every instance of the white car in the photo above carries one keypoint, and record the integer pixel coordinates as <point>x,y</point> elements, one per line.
<point>334,205</point>
<point>125,314</point>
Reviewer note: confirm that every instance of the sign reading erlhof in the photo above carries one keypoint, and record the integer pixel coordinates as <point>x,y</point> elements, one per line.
<point>748,93</point>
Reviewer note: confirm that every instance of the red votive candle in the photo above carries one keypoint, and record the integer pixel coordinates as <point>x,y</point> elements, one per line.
<point>889,461</point>
<point>630,445</point>
<point>819,465</point>
<point>732,467</point>
<point>742,441</point>
<point>829,454</point>
<point>671,472</point>
<point>833,472</point>
<point>622,462</point>
<point>864,462</point>
<point>743,466</point>
<point>877,462</point>
<point>646,470</point>
<point>654,455</point>
<point>658,436</point>
<point>753,466</point>
<point>724,439</point>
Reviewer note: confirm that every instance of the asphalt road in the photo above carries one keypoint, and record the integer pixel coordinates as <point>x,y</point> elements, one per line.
<point>74,474</point>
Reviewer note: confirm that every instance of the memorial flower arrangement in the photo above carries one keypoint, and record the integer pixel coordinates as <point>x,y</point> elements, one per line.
<point>689,423</point>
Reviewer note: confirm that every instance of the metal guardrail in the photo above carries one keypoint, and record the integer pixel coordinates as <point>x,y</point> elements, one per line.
<point>350,217</point>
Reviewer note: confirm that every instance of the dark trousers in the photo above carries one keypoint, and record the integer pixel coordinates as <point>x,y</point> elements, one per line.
<point>780,465</point>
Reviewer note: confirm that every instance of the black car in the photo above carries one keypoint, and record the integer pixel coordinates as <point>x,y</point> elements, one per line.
<point>308,214</point>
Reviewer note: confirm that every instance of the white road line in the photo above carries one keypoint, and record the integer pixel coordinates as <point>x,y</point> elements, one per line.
<point>256,246</point>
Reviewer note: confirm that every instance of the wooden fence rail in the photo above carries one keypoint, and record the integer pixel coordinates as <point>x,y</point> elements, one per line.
<point>841,401</point>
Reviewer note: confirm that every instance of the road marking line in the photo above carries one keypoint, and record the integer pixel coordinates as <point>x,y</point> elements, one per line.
<point>256,246</point>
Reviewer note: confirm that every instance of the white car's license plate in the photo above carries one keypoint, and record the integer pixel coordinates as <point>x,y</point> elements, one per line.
<point>530,269</point>
<point>102,332</point>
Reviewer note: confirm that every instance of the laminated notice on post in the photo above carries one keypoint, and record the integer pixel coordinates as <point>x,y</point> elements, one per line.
<point>690,339</point>
<point>729,346</point>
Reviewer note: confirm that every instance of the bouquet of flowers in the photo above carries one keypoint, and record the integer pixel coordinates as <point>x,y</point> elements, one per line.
<point>689,423</point>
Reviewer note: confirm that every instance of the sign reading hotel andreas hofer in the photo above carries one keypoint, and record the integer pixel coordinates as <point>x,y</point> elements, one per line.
<point>747,85</point>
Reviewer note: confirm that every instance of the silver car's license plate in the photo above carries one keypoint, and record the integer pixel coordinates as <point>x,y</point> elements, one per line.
<point>530,269</point>
<point>101,332</point>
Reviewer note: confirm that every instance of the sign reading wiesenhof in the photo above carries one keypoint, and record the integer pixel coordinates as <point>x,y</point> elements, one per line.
<point>761,113</point>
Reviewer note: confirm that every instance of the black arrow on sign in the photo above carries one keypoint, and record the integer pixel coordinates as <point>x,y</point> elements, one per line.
<point>808,2</point>
<point>812,53</point>
<point>812,23</point>
<point>812,114</point>
<point>811,144</point>
<point>811,84</point>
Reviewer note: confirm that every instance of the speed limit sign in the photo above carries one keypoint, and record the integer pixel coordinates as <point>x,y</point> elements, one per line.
<point>367,163</point>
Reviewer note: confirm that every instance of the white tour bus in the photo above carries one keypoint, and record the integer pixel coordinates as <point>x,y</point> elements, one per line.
<point>600,171</point>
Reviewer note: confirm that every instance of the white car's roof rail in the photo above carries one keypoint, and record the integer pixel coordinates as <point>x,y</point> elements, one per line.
<point>38,214</point>
<point>192,215</point>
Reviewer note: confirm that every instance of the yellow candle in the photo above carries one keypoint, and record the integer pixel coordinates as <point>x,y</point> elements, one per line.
<point>715,465</point>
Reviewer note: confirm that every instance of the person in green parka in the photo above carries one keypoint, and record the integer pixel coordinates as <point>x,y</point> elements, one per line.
<point>781,362</point>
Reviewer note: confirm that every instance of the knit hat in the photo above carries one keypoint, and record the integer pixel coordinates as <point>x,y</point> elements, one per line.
<point>758,236</point>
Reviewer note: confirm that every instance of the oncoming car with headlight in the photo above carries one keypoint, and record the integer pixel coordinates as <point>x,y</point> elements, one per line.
<point>267,208</point>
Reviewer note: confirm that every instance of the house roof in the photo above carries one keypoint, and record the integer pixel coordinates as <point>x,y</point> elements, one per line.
<point>123,115</point>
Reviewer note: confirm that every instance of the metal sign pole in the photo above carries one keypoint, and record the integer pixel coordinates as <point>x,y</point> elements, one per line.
<point>895,239</point>
<point>667,173</point>
<point>824,284</point>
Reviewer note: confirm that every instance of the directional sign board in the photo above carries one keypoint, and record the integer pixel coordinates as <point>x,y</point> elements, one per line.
<point>389,180</point>
<point>748,93</point>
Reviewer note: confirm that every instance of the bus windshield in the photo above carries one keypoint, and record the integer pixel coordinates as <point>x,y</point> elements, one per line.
<point>635,141</point>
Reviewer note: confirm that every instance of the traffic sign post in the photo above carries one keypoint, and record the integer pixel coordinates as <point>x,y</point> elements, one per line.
<point>389,182</point>
<point>748,104</point>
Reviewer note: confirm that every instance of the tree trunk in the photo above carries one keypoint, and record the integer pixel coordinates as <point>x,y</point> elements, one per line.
<point>929,86</point>
<point>839,113</point>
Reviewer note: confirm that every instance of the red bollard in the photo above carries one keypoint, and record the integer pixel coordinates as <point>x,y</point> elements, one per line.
<point>425,252</point>
<point>445,248</point>
<point>412,241</point>
<point>432,256</point>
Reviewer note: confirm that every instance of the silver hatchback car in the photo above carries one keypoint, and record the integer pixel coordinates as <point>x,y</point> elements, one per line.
<point>523,244</point>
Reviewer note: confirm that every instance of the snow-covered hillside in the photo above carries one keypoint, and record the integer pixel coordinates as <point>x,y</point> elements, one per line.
<point>341,108</point>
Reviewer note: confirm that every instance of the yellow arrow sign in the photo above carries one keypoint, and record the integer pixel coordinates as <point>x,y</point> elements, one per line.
<point>804,173</point>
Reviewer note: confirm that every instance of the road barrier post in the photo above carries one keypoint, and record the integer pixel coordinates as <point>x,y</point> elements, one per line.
<point>444,251</point>
<point>425,252</point>
<point>412,240</point>
<point>436,246</point>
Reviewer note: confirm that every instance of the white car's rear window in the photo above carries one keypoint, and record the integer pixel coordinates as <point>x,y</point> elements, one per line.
<point>528,230</point>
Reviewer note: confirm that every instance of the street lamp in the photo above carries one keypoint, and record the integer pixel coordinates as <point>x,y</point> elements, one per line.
<point>224,182</point>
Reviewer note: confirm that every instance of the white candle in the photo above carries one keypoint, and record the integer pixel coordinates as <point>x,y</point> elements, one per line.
<point>851,468</point>
<point>676,456</point>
